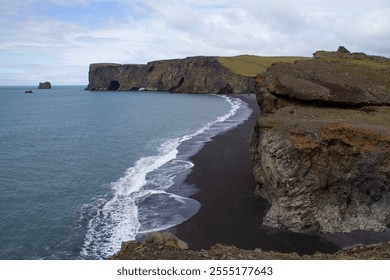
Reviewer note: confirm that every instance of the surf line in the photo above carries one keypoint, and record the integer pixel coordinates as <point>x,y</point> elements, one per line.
<point>117,219</point>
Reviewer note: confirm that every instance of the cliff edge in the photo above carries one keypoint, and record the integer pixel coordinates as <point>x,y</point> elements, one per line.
<point>321,148</point>
<point>157,247</point>
<point>192,75</point>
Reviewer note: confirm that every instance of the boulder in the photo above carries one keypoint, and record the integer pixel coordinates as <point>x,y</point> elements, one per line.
<point>166,239</point>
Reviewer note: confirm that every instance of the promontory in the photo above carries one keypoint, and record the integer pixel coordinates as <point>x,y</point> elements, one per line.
<point>193,75</point>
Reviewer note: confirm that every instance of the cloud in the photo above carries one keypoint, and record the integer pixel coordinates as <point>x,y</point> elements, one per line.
<point>66,36</point>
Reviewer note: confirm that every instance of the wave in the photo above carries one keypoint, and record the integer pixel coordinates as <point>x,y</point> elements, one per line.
<point>140,201</point>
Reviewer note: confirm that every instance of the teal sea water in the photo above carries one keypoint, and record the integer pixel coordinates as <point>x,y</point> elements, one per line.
<point>81,171</point>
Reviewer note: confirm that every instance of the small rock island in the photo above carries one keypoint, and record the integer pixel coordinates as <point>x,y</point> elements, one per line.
<point>45,85</point>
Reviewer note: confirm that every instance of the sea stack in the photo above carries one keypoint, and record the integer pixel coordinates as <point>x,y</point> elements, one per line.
<point>45,85</point>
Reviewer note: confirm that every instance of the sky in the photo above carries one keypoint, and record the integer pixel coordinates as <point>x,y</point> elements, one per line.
<point>56,40</point>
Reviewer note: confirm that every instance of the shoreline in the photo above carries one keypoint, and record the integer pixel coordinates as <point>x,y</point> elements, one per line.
<point>230,213</point>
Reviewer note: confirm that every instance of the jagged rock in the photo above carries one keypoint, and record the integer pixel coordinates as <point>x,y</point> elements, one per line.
<point>193,75</point>
<point>45,85</point>
<point>321,161</point>
<point>342,49</point>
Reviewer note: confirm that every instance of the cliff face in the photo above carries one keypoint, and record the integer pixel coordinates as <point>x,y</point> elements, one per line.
<point>321,148</point>
<point>192,75</point>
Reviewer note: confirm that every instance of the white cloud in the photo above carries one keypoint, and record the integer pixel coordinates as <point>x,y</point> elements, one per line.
<point>151,29</point>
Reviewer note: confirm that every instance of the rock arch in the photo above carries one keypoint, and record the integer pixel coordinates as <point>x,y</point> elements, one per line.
<point>114,85</point>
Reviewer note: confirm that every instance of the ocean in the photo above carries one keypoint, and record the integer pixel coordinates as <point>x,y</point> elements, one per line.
<point>82,171</point>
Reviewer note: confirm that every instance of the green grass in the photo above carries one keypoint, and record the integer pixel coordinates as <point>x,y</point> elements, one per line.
<point>251,65</point>
<point>374,62</point>
<point>379,117</point>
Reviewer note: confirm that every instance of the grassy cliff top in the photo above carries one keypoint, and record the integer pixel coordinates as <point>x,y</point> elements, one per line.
<point>251,65</point>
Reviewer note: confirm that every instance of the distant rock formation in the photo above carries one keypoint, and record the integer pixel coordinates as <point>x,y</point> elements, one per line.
<point>321,148</point>
<point>45,85</point>
<point>192,75</point>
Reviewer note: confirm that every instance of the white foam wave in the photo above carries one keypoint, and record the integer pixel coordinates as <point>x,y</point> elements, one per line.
<point>119,218</point>
<point>135,177</point>
<point>163,178</point>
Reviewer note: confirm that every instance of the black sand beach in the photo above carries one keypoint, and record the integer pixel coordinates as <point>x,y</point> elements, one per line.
<point>230,213</point>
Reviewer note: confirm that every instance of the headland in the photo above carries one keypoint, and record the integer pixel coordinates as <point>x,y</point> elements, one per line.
<point>320,149</point>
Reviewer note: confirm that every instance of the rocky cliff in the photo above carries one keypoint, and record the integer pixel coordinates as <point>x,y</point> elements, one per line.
<point>161,248</point>
<point>192,75</point>
<point>321,148</point>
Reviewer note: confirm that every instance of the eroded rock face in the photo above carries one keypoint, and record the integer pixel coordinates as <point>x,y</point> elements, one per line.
<point>193,75</point>
<point>321,160</point>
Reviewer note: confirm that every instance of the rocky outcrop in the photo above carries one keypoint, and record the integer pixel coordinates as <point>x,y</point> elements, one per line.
<point>45,85</point>
<point>166,239</point>
<point>321,148</point>
<point>152,240</point>
<point>134,250</point>
<point>332,79</point>
<point>192,75</point>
